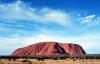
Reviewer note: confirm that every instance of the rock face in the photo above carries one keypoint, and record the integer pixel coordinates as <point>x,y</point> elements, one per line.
<point>50,48</point>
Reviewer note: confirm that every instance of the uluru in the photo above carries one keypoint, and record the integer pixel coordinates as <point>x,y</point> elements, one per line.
<point>50,48</point>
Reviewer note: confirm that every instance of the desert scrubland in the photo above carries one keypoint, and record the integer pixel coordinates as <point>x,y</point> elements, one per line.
<point>50,61</point>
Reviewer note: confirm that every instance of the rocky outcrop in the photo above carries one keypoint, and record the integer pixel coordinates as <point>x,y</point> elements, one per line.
<point>50,48</point>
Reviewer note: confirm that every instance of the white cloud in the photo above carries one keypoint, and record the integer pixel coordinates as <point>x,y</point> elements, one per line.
<point>16,11</point>
<point>56,16</point>
<point>90,20</point>
<point>21,11</point>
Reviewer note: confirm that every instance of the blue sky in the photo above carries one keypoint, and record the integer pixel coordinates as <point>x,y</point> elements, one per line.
<point>25,22</point>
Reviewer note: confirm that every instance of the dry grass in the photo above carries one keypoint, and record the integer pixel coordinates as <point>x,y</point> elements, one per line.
<point>67,61</point>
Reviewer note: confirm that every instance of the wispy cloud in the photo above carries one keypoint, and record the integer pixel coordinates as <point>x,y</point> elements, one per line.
<point>90,20</point>
<point>20,18</point>
<point>20,11</point>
